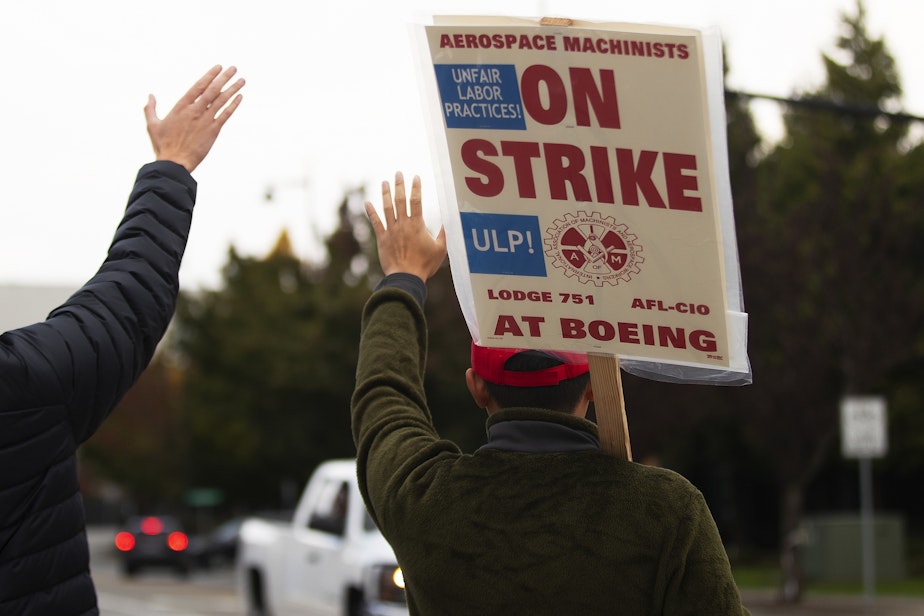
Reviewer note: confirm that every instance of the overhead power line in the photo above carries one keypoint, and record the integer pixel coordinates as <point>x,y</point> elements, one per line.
<point>828,105</point>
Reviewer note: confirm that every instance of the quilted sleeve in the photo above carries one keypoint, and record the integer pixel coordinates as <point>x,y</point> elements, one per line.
<point>90,350</point>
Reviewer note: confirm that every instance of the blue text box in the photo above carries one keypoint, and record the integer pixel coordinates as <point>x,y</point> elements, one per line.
<point>503,244</point>
<point>480,96</point>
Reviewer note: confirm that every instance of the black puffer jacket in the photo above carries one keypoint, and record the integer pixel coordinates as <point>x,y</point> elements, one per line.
<point>59,379</point>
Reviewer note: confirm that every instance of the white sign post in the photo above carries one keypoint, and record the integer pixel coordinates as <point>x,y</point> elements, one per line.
<point>863,427</point>
<point>864,436</point>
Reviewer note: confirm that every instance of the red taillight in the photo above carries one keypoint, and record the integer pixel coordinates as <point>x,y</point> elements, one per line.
<point>152,526</point>
<point>125,541</point>
<point>177,541</point>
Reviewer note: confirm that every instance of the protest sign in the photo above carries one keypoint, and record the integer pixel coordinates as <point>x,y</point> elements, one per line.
<point>585,190</point>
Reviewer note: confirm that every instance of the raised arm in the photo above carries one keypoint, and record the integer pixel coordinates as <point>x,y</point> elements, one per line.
<point>90,350</point>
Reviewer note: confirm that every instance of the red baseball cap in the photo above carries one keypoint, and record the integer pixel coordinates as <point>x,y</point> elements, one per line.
<point>488,363</point>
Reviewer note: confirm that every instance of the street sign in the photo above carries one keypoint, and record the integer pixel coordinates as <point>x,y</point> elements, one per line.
<point>863,427</point>
<point>204,497</point>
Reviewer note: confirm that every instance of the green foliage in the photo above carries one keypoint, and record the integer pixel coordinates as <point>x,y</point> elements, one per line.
<point>269,361</point>
<point>829,230</point>
<point>825,258</point>
<point>129,448</point>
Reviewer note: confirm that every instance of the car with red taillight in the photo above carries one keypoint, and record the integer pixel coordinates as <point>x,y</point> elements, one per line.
<point>153,541</point>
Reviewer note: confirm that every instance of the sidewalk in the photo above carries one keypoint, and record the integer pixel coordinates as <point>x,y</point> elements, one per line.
<point>764,603</point>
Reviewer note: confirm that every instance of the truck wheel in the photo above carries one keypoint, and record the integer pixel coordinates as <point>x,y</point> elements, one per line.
<point>256,598</point>
<point>356,604</point>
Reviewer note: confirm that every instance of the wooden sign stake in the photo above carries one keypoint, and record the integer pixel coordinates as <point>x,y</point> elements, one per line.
<point>605,375</point>
<point>606,380</point>
<point>556,21</point>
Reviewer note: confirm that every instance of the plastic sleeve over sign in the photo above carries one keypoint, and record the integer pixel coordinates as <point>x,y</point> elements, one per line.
<point>578,217</point>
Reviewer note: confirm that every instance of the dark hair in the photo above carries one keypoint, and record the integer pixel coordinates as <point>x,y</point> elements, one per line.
<point>562,397</point>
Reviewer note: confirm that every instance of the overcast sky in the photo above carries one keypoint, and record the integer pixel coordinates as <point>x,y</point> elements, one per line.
<point>332,103</point>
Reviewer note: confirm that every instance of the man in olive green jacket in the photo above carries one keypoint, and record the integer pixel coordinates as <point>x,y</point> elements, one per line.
<point>539,520</point>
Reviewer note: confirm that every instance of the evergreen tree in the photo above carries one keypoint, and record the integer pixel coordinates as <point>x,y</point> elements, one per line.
<point>830,285</point>
<point>269,365</point>
<point>141,447</point>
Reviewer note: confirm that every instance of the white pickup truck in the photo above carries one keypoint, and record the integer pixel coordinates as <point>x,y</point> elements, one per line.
<point>330,559</point>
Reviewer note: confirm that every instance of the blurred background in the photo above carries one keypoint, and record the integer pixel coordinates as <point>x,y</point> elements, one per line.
<point>250,390</point>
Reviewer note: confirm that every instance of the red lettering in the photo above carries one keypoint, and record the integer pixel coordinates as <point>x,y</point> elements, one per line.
<point>564,163</point>
<point>628,333</point>
<point>632,177</point>
<point>568,178</point>
<point>506,324</point>
<point>673,338</point>
<point>572,329</point>
<point>603,180</point>
<point>601,330</point>
<point>678,183</point>
<point>498,41</point>
<point>648,334</point>
<point>586,94</point>
<point>534,324</point>
<point>522,153</point>
<point>703,341</point>
<point>533,80</point>
<point>492,181</point>
<point>547,42</point>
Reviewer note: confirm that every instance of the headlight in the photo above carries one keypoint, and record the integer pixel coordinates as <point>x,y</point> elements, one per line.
<point>387,584</point>
<point>398,578</point>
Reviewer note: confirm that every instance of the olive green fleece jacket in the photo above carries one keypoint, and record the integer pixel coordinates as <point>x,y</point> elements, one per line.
<point>510,531</point>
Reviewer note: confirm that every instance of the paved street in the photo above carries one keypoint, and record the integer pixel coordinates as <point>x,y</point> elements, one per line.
<point>160,593</point>
<point>764,603</point>
<point>212,593</point>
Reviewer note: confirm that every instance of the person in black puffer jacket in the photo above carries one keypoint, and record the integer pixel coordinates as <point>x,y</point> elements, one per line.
<point>60,379</point>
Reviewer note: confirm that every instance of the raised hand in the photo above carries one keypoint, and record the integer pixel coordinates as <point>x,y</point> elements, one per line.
<point>189,130</point>
<point>404,242</point>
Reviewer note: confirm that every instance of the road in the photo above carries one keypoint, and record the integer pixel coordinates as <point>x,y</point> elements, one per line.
<point>212,593</point>
<point>162,594</point>
<point>764,603</point>
<point>158,592</point>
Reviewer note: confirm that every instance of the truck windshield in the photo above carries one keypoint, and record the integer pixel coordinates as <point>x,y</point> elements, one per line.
<point>368,524</point>
<point>330,515</point>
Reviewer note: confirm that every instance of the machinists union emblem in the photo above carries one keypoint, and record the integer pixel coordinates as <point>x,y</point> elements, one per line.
<point>594,248</point>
